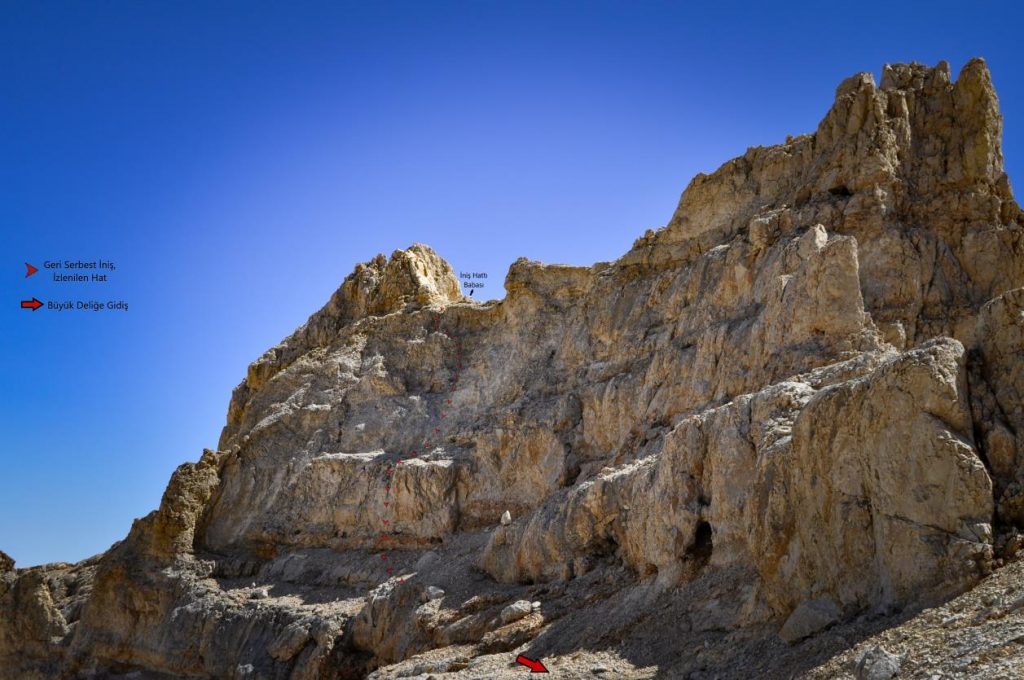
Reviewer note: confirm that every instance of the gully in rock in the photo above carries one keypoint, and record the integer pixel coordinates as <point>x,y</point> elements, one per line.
<point>387,535</point>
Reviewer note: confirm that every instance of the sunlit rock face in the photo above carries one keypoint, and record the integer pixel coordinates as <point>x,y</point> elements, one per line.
<point>802,395</point>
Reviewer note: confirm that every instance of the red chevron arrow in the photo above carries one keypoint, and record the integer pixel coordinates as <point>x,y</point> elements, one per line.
<point>534,666</point>
<point>29,270</point>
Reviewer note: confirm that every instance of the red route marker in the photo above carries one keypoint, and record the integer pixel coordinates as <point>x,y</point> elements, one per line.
<point>535,666</point>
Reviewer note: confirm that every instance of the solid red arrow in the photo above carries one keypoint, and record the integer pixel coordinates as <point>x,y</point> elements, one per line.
<point>534,666</point>
<point>32,304</point>
<point>30,270</point>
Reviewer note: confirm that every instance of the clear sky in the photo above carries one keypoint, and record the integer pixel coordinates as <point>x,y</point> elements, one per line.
<point>236,159</point>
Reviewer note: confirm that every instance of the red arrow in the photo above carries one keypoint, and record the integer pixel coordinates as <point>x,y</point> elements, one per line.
<point>30,270</point>
<point>534,666</point>
<point>32,304</point>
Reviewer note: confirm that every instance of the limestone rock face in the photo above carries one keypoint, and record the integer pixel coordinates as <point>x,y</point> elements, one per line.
<point>999,400</point>
<point>410,279</point>
<point>913,169</point>
<point>888,499</point>
<point>796,404</point>
<point>809,618</point>
<point>867,490</point>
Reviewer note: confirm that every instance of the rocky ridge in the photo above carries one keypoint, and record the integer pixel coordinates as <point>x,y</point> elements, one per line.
<point>788,420</point>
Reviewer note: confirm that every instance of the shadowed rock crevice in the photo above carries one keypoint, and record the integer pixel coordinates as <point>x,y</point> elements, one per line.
<point>699,554</point>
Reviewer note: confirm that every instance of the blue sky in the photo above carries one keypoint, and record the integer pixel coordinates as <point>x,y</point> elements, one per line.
<point>236,159</point>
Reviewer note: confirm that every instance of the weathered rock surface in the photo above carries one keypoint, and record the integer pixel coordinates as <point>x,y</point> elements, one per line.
<point>877,664</point>
<point>796,406</point>
<point>810,617</point>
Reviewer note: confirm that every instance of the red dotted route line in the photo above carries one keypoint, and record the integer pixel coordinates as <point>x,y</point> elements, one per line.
<point>389,471</point>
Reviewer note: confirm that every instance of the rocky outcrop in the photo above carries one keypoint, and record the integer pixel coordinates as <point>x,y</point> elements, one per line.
<point>999,400</point>
<point>913,169</point>
<point>796,404</point>
<point>879,469</point>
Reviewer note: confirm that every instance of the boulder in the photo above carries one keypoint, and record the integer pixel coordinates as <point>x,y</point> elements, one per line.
<point>810,617</point>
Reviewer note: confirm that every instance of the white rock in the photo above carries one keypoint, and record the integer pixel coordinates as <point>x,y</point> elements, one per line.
<point>506,518</point>
<point>432,593</point>
<point>515,611</point>
<point>877,664</point>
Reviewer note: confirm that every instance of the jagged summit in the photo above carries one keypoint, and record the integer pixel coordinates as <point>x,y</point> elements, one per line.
<point>898,145</point>
<point>795,406</point>
<point>409,280</point>
<point>912,169</point>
